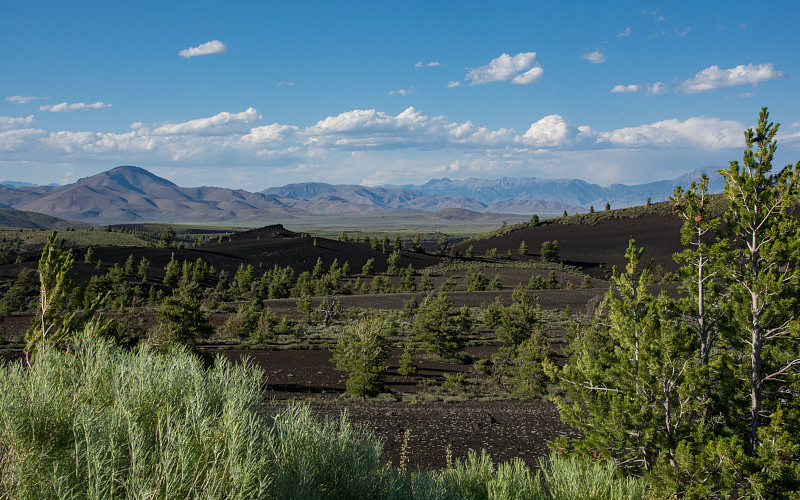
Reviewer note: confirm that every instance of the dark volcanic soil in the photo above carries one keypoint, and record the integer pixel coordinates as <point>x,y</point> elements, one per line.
<point>506,429</point>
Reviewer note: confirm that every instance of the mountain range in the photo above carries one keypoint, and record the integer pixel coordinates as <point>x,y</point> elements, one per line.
<point>133,194</point>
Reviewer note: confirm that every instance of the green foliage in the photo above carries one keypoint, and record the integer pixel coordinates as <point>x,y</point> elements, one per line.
<point>628,372</point>
<point>20,296</point>
<point>409,283</point>
<point>245,322</point>
<point>395,263</point>
<point>443,245</point>
<point>171,272</point>
<point>304,304</point>
<point>549,251</point>
<point>167,237</point>
<point>57,313</point>
<point>144,269</point>
<point>523,248</point>
<point>764,275</point>
<point>362,351</point>
<point>88,257</point>
<point>180,318</point>
<point>407,366</point>
<point>476,281</point>
<point>440,327</point>
<point>368,267</point>
<point>416,244</point>
<point>470,253</point>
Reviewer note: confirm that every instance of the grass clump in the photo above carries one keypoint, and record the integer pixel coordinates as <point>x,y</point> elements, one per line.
<point>95,421</point>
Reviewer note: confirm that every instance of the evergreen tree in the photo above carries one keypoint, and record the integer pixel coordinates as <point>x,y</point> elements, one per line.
<point>395,264</point>
<point>368,267</point>
<point>57,314</point>
<point>626,377</point>
<point>550,251</point>
<point>181,319</point>
<point>441,327</point>
<point>144,269</point>
<point>417,244</point>
<point>409,283</point>
<point>765,274</point>
<point>362,351</point>
<point>523,248</point>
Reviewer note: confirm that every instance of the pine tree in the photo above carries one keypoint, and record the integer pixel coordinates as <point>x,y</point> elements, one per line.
<point>626,377</point>
<point>765,272</point>
<point>57,315</point>
<point>441,327</point>
<point>362,351</point>
<point>180,318</point>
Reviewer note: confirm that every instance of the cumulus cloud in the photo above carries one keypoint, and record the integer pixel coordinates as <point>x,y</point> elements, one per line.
<point>656,88</point>
<point>713,78</point>
<point>64,107</point>
<point>220,124</point>
<point>353,142</point>
<point>431,64</point>
<point>22,99</point>
<point>626,89</point>
<point>697,131</point>
<point>407,91</point>
<point>624,33</point>
<point>212,47</point>
<point>594,57</point>
<point>7,122</point>
<point>520,69</point>
<point>453,84</point>
<point>553,131</point>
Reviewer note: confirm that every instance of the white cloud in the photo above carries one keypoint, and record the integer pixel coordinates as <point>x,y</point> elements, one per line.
<point>697,131</point>
<point>656,88</point>
<point>20,99</point>
<point>713,78</point>
<point>274,133</point>
<point>407,91</point>
<point>453,84</point>
<point>432,64</point>
<point>284,84</point>
<point>626,89</point>
<point>624,33</point>
<point>7,122</point>
<point>224,123</point>
<point>409,144</point>
<point>519,69</point>
<point>594,57</point>
<point>212,47</point>
<point>682,34</point>
<point>75,106</point>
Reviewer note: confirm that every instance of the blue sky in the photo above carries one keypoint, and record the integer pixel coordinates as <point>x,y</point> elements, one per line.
<point>259,94</point>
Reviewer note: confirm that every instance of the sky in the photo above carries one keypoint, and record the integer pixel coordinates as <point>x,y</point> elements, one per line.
<point>253,95</point>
